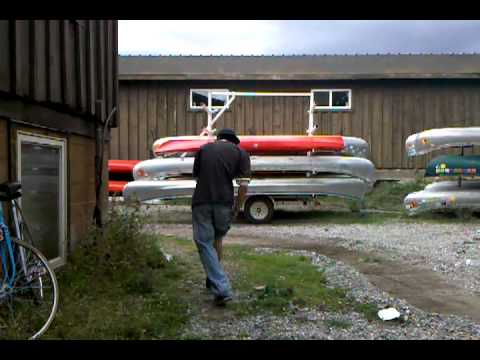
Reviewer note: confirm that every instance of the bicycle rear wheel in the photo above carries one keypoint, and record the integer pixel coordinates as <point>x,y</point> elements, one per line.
<point>28,306</point>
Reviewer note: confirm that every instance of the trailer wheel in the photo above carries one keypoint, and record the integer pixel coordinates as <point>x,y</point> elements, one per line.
<point>259,209</point>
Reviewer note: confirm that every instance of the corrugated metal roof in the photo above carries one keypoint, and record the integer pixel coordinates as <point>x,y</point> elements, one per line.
<point>299,67</point>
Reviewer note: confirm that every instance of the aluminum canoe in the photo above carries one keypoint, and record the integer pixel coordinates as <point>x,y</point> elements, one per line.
<point>444,195</point>
<point>436,139</point>
<point>160,168</point>
<point>144,190</point>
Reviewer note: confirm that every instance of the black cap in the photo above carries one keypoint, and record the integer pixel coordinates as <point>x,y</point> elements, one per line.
<point>228,134</point>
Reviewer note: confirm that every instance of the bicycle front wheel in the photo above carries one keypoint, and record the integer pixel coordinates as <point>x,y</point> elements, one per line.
<point>28,305</point>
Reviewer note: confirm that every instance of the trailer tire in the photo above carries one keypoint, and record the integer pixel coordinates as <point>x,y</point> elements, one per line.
<point>259,209</point>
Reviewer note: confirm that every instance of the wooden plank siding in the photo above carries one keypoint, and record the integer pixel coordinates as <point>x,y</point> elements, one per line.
<point>4,56</point>
<point>54,67</point>
<point>66,65</point>
<point>49,74</point>
<point>384,113</point>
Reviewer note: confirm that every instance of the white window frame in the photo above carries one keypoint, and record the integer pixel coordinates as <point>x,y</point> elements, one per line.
<point>330,107</point>
<point>62,144</point>
<point>209,91</point>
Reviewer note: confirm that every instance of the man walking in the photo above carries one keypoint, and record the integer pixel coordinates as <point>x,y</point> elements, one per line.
<point>215,167</point>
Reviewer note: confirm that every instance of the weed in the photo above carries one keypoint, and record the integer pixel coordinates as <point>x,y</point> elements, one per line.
<point>368,310</point>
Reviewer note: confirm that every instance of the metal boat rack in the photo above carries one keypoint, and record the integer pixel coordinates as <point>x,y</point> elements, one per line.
<point>214,113</point>
<point>259,207</point>
<point>445,195</point>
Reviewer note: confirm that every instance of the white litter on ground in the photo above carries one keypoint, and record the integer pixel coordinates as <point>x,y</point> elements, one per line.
<point>388,314</point>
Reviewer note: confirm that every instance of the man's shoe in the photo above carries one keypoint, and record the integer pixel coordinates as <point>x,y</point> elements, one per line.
<point>222,300</point>
<point>208,284</point>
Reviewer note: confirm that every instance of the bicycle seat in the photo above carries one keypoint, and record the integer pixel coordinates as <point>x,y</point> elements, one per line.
<point>10,191</point>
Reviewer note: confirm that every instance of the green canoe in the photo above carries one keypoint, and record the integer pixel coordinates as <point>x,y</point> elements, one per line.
<point>454,165</point>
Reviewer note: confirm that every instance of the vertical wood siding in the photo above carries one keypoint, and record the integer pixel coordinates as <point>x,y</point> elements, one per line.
<point>61,62</point>
<point>384,113</point>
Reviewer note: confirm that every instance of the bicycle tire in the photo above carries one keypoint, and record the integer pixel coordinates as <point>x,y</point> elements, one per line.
<point>24,292</point>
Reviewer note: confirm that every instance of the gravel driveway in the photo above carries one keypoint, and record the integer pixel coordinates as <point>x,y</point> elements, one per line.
<point>427,271</point>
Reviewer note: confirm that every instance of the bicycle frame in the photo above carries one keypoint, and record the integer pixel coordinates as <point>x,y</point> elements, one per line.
<point>5,237</point>
<point>10,257</point>
<point>22,279</point>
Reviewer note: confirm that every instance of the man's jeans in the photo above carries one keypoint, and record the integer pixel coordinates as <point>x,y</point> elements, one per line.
<point>211,222</point>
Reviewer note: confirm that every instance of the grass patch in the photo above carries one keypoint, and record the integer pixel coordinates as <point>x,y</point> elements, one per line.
<point>390,195</point>
<point>118,286</point>
<point>369,311</point>
<point>286,280</point>
<point>278,283</point>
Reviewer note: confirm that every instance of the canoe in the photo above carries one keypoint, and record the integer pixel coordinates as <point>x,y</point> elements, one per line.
<point>453,165</point>
<point>436,139</point>
<point>121,166</point>
<point>116,186</point>
<point>161,168</point>
<point>444,195</point>
<point>268,144</point>
<point>144,190</point>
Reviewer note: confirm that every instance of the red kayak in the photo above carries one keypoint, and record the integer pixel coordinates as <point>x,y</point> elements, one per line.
<point>121,166</point>
<point>255,144</point>
<point>116,186</point>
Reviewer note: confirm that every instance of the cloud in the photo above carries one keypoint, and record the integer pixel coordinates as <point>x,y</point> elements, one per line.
<point>257,37</point>
<point>195,37</point>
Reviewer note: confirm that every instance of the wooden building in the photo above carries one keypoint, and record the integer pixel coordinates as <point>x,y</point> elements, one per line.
<point>380,98</point>
<point>58,84</point>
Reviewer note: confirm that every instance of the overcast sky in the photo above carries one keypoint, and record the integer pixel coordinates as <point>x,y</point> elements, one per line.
<point>294,37</point>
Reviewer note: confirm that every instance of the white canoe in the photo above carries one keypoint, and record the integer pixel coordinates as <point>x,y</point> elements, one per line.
<point>444,195</point>
<point>161,168</point>
<point>142,190</point>
<point>436,139</point>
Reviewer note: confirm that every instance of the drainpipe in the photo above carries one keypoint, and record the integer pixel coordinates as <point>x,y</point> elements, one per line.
<point>101,128</point>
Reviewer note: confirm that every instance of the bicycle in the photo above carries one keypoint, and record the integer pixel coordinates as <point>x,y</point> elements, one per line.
<point>28,286</point>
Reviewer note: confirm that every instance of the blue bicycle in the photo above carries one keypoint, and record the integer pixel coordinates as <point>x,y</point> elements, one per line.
<point>28,286</point>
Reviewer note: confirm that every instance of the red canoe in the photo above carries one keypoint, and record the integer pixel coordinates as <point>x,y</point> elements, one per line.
<point>116,186</point>
<point>255,144</point>
<point>121,166</point>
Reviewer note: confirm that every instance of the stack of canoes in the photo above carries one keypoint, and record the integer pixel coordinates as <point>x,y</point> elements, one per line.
<point>457,185</point>
<point>120,172</point>
<point>281,165</point>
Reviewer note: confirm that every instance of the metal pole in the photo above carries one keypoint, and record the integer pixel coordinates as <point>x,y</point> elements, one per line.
<point>311,126</point>
<point>225,107</point>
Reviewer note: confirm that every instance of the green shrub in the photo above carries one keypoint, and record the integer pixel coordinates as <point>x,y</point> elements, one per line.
<point>120,246</point>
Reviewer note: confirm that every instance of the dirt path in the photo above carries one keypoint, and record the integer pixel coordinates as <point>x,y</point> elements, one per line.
<point>419,286</point>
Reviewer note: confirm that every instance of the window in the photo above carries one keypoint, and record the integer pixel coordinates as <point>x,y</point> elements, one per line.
<point>42,172</point>
<point>201,96</point>
<point>332,99</point>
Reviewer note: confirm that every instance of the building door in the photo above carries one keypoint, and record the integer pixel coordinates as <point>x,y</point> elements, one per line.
<point>42,172</point>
